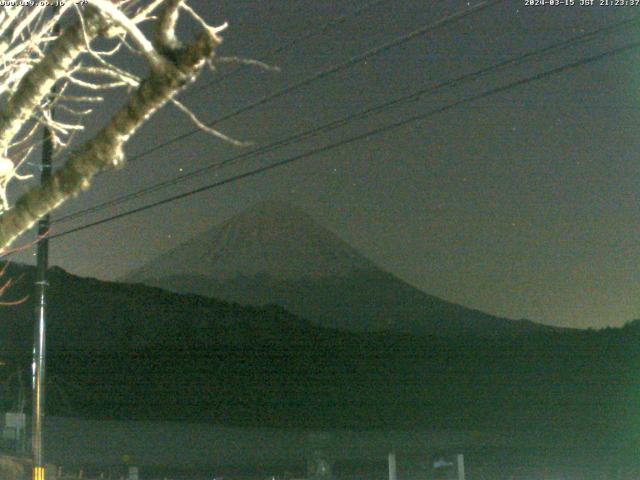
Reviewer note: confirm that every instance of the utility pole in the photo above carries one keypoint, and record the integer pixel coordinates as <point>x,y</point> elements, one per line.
<point>392,466</point>
<point>39,339</point>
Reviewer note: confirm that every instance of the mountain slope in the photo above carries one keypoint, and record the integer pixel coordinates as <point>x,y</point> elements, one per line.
<point>273,238</point>
<point>90,314</point>
<point>118,351</point>
<point>275,253</point>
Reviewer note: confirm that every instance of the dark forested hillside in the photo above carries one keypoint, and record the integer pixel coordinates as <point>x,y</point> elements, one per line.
<point>130,351</point>
<point>275,253</point>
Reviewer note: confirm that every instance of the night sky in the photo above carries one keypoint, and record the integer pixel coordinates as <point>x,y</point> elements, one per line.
<point>523,204</point>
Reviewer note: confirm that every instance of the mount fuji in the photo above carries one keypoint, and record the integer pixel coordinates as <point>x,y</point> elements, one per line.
<point>275,253</point>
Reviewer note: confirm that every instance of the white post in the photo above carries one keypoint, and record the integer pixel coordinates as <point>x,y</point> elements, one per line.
<point>460,458</point>
<point>392,466</point>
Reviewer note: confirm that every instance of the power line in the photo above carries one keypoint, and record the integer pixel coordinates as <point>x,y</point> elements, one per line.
<point>308,33</point>
<point>330,71</point>
<point>351,117</point>
<point>362,136</point>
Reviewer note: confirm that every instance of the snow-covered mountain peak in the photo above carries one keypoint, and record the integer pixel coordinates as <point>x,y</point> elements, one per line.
<point>272,238</point>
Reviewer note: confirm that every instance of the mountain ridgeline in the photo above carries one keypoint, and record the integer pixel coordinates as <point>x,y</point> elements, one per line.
<point>274,253</point>
<point>122,351</point>
<point>395,357</point>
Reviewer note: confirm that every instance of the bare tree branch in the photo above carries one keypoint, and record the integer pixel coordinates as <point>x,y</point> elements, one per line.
<point>36,57</point>
<point>106,149</point>
<point>105,6</point>
<point>205,128</point>
<point>37,84</point>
